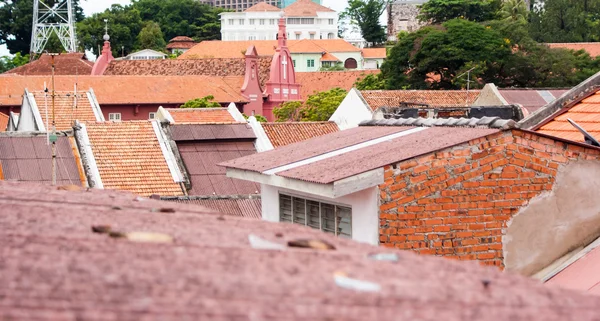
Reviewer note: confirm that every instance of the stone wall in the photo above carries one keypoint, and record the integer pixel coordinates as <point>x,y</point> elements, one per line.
<point>402,16</point>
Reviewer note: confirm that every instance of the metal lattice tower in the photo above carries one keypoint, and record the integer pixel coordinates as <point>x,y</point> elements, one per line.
<point>58,18</point>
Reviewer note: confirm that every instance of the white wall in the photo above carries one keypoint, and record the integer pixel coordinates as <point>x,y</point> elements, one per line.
<point>342,56</point>
<point>302,62</point>
<point>351,111</point>
<point>364,204</point>
<point>372,63</point>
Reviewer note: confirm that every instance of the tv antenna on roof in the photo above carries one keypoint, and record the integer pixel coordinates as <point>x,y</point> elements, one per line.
<point>589,139</point>
<point>58,19</point>
<point>468,73</point>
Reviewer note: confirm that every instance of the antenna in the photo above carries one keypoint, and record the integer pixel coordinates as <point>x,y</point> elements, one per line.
<point>59,19</point>
<point>468,72</point>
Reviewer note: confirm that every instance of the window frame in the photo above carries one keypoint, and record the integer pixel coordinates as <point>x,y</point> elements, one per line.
<point>307,220</point>
<point>152,115</point>
<point>310,63</point>
<point>114,118</point>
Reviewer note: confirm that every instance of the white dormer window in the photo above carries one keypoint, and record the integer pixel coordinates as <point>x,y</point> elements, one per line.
<point>114,116</point>
<point>151,115</point>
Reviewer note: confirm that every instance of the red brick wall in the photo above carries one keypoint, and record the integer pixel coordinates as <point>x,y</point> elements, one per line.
<point>456,202</point>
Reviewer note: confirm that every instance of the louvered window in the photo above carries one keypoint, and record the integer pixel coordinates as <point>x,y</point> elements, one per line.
<point>329,218</point>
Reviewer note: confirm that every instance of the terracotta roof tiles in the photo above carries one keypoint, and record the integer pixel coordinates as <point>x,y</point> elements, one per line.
<point>281,134</point>
<point>129,158</point>
<point>221,67</point>
<point>64,64</point>
<point>201,115</point>
<point>305,8</point>
<point>3,122</point>
<point>592,48</point>
<point>67,108</point>
<point>132,89</point>
<point>237,49</point>
<point>585,113</point>
<point>262,6</point>
<point>313,82</point>
<point>329,57</point>
<point>374,53</point>
<point>433,98</point>
<point>54,267</point>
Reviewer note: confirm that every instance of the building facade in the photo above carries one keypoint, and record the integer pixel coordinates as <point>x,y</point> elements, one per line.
<point>239,5</point>
<point>304,19</point>
<point>402,16</point>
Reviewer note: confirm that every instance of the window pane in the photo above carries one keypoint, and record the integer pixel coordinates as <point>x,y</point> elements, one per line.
<point>313,214</point>
<point>285,208</point>
<point>299,211</point>
<point>344,216</point>
<point>328,218</point>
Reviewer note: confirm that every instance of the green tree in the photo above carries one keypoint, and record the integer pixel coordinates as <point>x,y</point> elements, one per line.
<point>335,67</point>
<point>182,18</point>
<point>288,111</point>
<point>124,24</point>
<point>16,19</point>
<point>439,11</point>
<point>365,14</point>
<point>7,63</point>
<point>204,102</point>
<point>318,107</point>
<point>441,53</point>
<point>151,37</point>
<point>565,21</point>
<point>370,82</point>
<point>514,10</point>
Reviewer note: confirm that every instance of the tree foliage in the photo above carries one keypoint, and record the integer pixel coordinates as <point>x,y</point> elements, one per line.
<point>16,21</point>
<point>370,82</point>
<point>204,102</point>
<point>7,63</point>
<point>151,37</point>
<point>439,11</point>
<point>565,21</point>
<point>500,52</point>
<point>365,14</point>
<point>173,17</point>
<point>318,107</point>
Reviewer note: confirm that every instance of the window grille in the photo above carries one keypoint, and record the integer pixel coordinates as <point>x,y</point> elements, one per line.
<point>114,116</point>
<point>329,218</point>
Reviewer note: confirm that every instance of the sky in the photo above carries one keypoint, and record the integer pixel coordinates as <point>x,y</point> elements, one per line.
<point>92,6</point>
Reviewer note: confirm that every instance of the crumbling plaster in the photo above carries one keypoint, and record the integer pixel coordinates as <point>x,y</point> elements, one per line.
<point>555,222</point>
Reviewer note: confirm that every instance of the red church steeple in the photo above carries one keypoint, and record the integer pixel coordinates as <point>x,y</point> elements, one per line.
<point>281,86</point>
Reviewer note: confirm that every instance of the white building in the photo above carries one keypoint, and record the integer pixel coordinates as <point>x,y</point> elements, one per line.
<point>145,54</point>
<point>304,19</point>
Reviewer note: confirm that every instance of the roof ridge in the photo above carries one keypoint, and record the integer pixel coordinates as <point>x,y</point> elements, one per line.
<point>489,122</point>
<point>299,122</point>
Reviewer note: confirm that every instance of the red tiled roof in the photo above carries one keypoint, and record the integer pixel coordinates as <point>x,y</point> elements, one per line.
<point>305,8</point>
<point>67,109</point>
<point>237,49</point>
<point>585,113</point>
<point>318,145</point>
<point>3,122</point>
<point>329,57</point>
<point>593,48</point>
<point>29,158</point>
<point>531,99</point>
<point>129,157</point>
<point>262,6</point>
<point>374,53</point>
<point>434,98</point>
<point>222,67</point>
<point>201,115</point>
<point>313,82</point>
<point>228,205</point>
<point>581,275</point>
<point>132,89</point>
<point>281,134</point>
<point>55,268</point>
<point>64,64</point>
<point>181,42</point>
